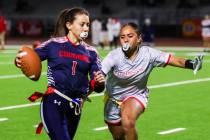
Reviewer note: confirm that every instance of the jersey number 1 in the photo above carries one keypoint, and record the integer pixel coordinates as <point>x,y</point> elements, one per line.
<point>73,69</point>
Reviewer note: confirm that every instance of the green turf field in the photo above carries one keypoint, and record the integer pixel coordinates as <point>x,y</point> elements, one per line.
<point>178,99</point>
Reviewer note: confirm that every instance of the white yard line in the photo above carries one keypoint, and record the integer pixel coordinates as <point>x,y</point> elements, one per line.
<point>171,131</point>
<point>9,52</point>
<point>12,47</point>
<point>7,56</point>
<point>161,133</point>
<point>15,76</point>
<point>36,125</point>
<point>179,83</point>
<point>19,106</point>
<point>3,119</point>
<point>11,76</point>
<point>197,53</point>
<point>6,63</point>
<point>95,95</point>
<point>101,128</point>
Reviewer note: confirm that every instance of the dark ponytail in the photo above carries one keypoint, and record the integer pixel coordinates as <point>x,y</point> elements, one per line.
<point>60,29</point>
<point>67,15</point>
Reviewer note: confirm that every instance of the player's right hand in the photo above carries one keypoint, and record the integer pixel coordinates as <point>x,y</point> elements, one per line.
<point>17,60</point>
<point>99,78</point>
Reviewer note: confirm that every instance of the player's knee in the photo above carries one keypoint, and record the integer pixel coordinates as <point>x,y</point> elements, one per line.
<point>128,124</point>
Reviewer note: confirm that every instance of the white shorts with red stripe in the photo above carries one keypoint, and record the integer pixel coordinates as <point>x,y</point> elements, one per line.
<point>112,111</point>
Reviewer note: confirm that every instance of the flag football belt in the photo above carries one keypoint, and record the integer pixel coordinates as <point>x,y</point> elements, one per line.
<point>74,103</point>
<point>118,103</point>
<point>106,98</point>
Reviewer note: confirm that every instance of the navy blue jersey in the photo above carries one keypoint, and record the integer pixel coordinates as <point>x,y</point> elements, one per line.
<point>70,66</point>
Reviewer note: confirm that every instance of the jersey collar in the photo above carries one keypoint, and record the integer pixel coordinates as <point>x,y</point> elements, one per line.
<point>75,45</point>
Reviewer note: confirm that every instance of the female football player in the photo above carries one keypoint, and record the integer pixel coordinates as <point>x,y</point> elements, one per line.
<point>205,23</point>
<point>2,30</point>
<point>70,62</point>
<point>127,69</point>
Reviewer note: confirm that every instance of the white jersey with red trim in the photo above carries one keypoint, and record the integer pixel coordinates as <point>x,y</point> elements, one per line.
<point>205,28</point>
<point>126,77</point>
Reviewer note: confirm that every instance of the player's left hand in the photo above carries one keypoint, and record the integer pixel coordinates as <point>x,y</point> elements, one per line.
<point>197,64</point>
<point>99,78</point>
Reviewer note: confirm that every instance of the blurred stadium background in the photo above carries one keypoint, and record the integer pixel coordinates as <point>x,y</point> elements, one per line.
<point>178,98</point>
<point>171,19</point>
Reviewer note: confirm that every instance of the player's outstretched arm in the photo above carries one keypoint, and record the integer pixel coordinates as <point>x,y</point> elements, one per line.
<point>195,64</point>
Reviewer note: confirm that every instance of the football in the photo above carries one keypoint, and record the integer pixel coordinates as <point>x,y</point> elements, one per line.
<point>30,63</point>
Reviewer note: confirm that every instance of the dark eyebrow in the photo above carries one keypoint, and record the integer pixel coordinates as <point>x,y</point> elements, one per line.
<point>131,34</point>
<point>84,22</point>
<point>127,34</point>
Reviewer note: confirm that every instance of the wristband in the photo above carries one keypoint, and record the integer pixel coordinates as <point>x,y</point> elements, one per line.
<point>189,64</point>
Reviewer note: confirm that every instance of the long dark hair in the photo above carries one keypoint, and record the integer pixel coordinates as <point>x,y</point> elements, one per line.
<point>67,15</point>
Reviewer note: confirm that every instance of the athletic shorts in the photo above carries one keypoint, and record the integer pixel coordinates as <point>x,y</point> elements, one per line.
<point>112,111</point>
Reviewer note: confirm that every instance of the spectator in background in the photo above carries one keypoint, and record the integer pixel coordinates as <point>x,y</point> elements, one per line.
<point>103,34</point>
<point>148,33</point>
<point>2,30</point>
<point>113,27</point>
<point>96,28</point>
<point>205,23</point>
<point>109,26</point>
<point>116,31</point>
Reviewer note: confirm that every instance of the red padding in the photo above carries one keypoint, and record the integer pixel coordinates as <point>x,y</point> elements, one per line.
<point>39,128</point>
<point>35,96</point>
<point>50,90</point>
<point>92,85</point>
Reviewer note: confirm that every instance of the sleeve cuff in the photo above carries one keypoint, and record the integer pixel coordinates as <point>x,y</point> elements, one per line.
<point>92,85</point>
<point>168,60</point>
